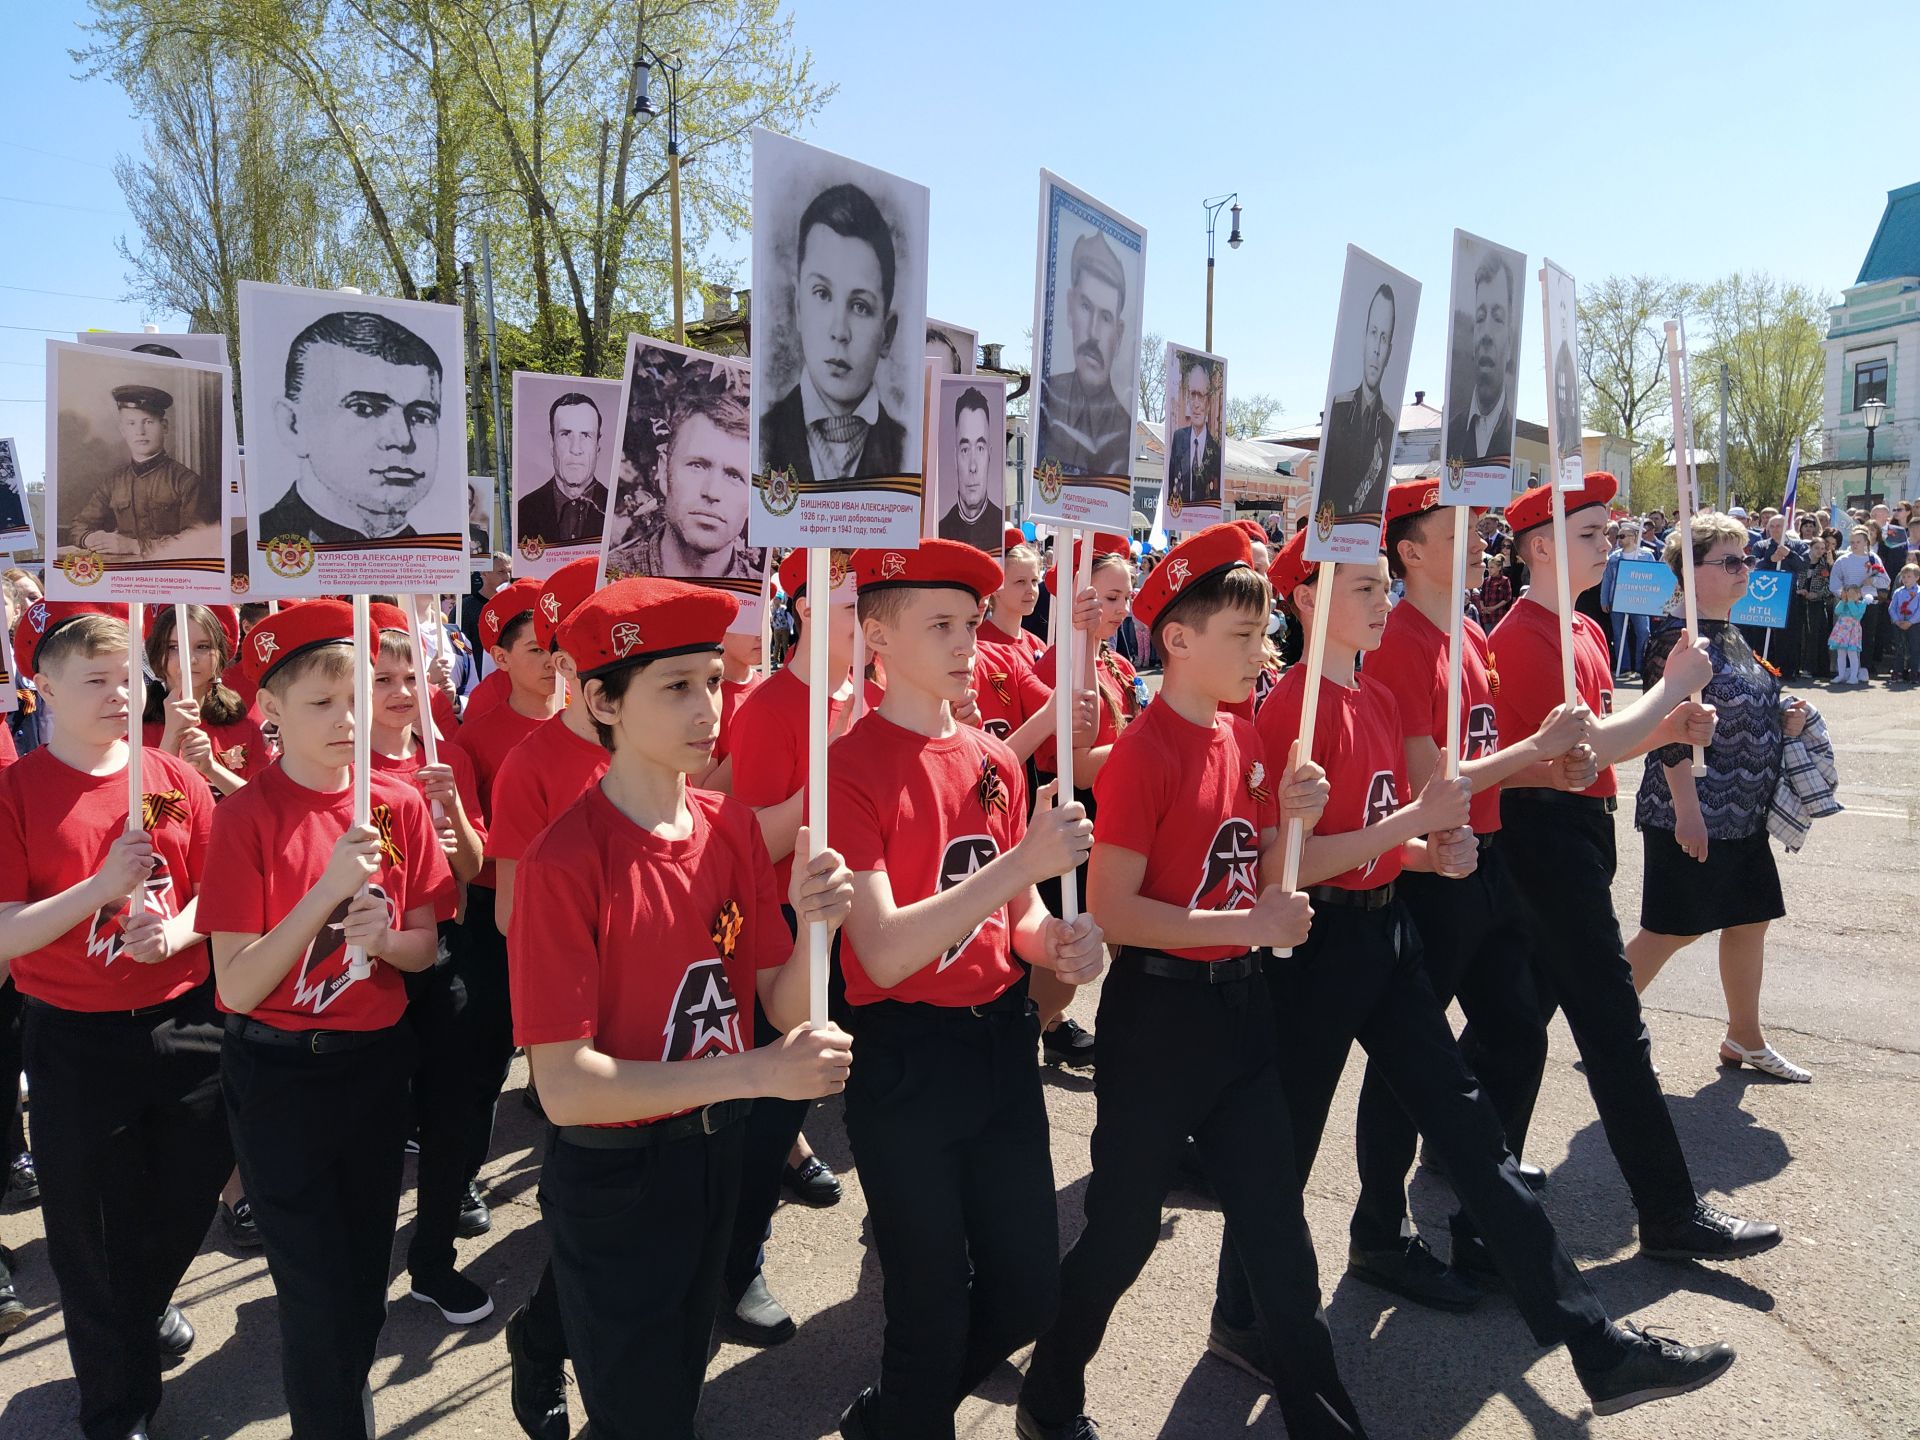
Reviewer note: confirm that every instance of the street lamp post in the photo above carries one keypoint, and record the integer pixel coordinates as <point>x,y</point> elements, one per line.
<point>1872,411</point>
<point>1213,208</point>
<point>644,108</point>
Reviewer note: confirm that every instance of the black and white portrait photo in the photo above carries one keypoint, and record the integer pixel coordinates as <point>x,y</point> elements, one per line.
<point>954,349</point>
<point>1196,448</point>
<point>563,448</point>
<point>1483,370</point>
<point>970,461</point>
<point>1088,300</point>
<point>16,516</point>
<point>207,349</point>
<point>480,521</point>
<point>356,455</point>
<point>1372,347</point>
<point>1563,373</point>
<point>840,285</point>
<point>139,457</point>
<point>684,483</point>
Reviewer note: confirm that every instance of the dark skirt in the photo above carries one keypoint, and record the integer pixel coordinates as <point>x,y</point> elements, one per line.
<point>1739,884</point>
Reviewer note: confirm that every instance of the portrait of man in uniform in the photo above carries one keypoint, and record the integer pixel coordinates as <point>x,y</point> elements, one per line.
<point>1485,361</point>
<point>1357,448</point>
<point>1195,457</point>
<point>1084,424</point>
<point>702,479</point>
<point>972,466</point>
<point>570,508</point>
<point>149,497</point>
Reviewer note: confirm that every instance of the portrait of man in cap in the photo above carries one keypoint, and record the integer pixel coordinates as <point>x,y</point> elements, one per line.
<point>570,508</point>
<point>1357,448</point>
<point>1084,423</point>
<point>360,411</point>
<point>150,497</point>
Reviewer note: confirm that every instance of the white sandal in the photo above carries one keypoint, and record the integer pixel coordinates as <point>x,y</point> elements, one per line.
<point>1766,1059</point>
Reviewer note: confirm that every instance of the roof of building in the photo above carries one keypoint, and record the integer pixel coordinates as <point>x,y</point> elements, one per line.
<point>1895,251</point>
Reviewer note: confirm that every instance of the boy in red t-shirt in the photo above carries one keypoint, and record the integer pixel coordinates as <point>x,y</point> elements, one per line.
<point>944,1108</point>
<point>120,1033</point>
<point>316,1063</point>
<point>1560,847</point>
<point>647,914</point>
<point>1358,976</point>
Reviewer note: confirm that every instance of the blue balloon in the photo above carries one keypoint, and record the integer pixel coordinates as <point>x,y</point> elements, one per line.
<point>1028,530</point>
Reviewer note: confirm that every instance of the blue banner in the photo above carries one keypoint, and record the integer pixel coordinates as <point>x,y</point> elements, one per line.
<point>1645,588</point>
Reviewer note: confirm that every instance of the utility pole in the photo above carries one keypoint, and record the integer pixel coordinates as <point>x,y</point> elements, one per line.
<point>500,531</point>
<point>475,415</point>
<point>1721,468</point>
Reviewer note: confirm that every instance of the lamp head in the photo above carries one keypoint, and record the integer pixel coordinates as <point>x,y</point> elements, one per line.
<point>1233,236</point>
<point>642,103</point>
<point>1873,409</point>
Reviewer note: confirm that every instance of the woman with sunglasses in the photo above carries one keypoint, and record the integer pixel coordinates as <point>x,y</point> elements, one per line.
<point>1709,863</point>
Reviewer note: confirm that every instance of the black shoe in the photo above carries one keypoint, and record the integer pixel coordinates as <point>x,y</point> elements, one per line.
<point>1412,1271</point>
<point>811,1182</point>
<point>237,1221</point>
<point>1474,1261</point>
<point>23,1182</point>
<point>757,1318</point>
<point>13,1313</point>
<point>1245,1350</point>
<point>1707,1234</point>
<point>1068,1043</point>
<point>856,1421</point>
<point>539,1387</point>
<point>176,1333</point>
<point>475,1218</point>
<point>1190,1175</point>
<point>458,1299</point>
<point>1535,1177</point>
<point>1028,1428</point>
<point>1654,1368</point>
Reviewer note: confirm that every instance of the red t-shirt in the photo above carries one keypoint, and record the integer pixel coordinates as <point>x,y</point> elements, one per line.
<point>1412,663</point>
<point>1523,666</point>
<point>928,813</point>
<point>7,753</point>
<point>1356,739</point>
<point>1005,688</point>
<point>271,843</point>
<point>1249,708</point>
<point>545,773</point>
<point>56,825</point>
<point>732,692</point>
<point>488,741</point>
<point>1194,800</point>
<point>446,720</point>
<point>769,743</point>
<point>407,767</point>
<point>241,746</point>
<point>1116,703</point>
<point>647,947</point>
<point>493,691</point>
<point>1030,645</point>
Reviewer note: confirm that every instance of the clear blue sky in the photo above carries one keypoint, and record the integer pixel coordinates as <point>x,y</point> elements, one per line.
<point>1602,141</point>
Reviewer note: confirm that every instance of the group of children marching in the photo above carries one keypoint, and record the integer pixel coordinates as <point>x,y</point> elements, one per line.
<point>563,881</point>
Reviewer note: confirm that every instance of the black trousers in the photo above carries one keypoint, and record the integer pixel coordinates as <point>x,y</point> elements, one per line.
<point>321,1143</point>
<point>949,1129</point>
<point>1562,858</point>
<point>1180,1058</point>
<point>12,1062</point>
<point>1475,947</point>
<point>1359,977</point>
<point>639,1238</point>
<point>131,1144</point>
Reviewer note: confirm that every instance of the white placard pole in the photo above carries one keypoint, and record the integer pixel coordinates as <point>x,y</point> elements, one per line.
<point>1456,637</point>
<point>136,708</point>
<point>859,700</point>
<point>1316,658</point>
<point>1060,620</point>
<point>358,966</point>
<point>1684,482</point>
<point>424,724</point>
<point>184,647</point>
<point>820,685</point>
<point>1563,598</point>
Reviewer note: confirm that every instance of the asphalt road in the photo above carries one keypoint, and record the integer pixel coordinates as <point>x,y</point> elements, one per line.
<point>1829,1349</point>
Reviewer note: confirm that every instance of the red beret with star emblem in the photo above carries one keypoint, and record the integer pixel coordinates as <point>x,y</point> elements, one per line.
<point>1103,544</point>
<point>560,595</point>
<point>1213,551</point>
<point>644,618</point>
<point>793,572</point>
<point>1291,568</point>
<point>294,631</point>
<point>225,616</point>
<point>932,565</point>
<point>1416,497</point>
<point>42,618</point>
<point>1535,507</point>
<point>510,601</point>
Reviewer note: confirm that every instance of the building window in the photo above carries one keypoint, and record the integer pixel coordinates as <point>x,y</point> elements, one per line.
<point>1869,382</point>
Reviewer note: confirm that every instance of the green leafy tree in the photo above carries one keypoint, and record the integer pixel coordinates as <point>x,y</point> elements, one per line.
<point>1768,333</point>
<point>1623,363</point>
<point>1250,415</point>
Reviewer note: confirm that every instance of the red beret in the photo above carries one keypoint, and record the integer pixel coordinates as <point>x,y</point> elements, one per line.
<point>42,618</point>
<point>294,631</point>
<point>1291,568</point>
<point>1103,544</point>
<point>382,616</point>
<point>1535,507</point>
<point>935,564</point>
<point>644,618</point>
<point>560,595</point>
<point>1412,497</point>
<point>225,616</point>
<point>1256,532</point>
<point>1216,549</point>
<point>793,571</point>
<point>1014,536</point>
<point>510,601</point>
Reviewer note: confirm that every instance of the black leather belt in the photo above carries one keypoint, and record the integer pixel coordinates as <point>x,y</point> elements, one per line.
<point>1541,795</point>
<point>165,1007</point>
<point>310,1042</point>
<point>1197,972</point>
<point>708,1120</point>
<point>1377,898</point>
<point>1012,1001</point>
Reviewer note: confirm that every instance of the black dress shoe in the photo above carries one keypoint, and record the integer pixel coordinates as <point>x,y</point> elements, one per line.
<point>176,1333</point>
<point>1028,1428</point>
<point>1707,1234</point>
<point>1245,1350</point>
<point>758,1318</point>
<point>237,1220</point>
<point>1412,1271</point>
<point>1653,1368</point>
<point>539,1386</point>
<point>475,1217</point>
<point>856,1421</point>
<point>1068,1043</point>
<point>1535,1177</point>
<point>13,1312</point>
<point>812,1182</point>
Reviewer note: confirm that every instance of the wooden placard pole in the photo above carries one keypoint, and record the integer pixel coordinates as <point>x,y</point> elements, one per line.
<point>136,707</point>
<point>1563,598</point>
<point>429,742</point>
<point>1060,619</point>
<point>358,966</point>
<point>820,686</point>
<point>1684,492</point>
<point>1316,659</point>
<point>1456,636</point>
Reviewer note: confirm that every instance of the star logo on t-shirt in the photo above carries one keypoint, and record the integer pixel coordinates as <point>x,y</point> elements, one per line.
<point>999,729</point>
<point>1232,861</point>
<point>705,1019</point>
<point>1383,798</point>
<point>107,931</point>
<point>964,857</point>
<point>1483,733</point>
<point>324,975</point>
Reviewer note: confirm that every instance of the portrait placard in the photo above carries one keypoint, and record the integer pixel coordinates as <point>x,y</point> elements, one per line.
<point>16,516</point>
<point>969,468</point>
<point>356,454</point>
<point>480,522</point>
<point>140,454</point>
<point>1483,371</point>
<point>1196,447</point>
<point>954,348</point>
<point>564,441</point>
<point>1372,348</point>
<point>207,349</point>
<point>1563,373</point>
<point>1091,271</point>
<point>840,292</point>
<point>683,485</point>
